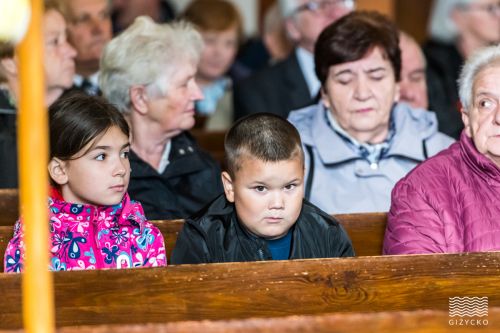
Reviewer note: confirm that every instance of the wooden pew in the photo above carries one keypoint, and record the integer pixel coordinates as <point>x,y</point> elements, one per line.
<point>9,206</point>
<point>366,232</point>
<point>212,142</point>
<point>262,289</point>
<point>5,236</point>
<point>420,321</point>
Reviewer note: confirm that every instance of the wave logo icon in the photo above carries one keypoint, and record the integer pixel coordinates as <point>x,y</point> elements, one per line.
<point>468,306</point>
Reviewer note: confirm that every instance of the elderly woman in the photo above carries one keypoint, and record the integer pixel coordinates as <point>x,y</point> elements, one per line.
<point>59,67</point>
<point>358,141</point>
<point>148,72</point>
<point>220,25</point>
<point>457,28</point>
<point>451,203</point>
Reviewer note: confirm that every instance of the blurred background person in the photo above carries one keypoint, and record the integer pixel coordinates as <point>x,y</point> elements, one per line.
<point>271,46</point>
<point>148,72</point>
<point>220,26</point>
<point>59,66</point>
<point>358,140</point>
<point>413,85</point>
<point>274,35</point>
<point>89,30</point>
<point>457,28</point>
<point>291,84</point>
<point>125,12</point>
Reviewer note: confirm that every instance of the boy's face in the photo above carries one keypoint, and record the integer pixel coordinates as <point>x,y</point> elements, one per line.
<point>267,195</point>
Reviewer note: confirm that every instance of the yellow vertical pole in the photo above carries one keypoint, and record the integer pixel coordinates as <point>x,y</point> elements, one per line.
<point>38,298</point>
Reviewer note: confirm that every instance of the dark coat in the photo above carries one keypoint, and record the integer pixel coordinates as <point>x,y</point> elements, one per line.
<point>8,143</point>
<point>190,181</point>
<point>443,68</point>
<point>277,89</point>
<point>215,235</point>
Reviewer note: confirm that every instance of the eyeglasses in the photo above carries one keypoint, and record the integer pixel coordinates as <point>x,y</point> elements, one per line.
<point>324,5</point>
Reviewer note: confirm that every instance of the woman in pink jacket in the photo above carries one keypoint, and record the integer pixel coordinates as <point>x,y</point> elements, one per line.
<point>451,202</point>
<point>93,222</point>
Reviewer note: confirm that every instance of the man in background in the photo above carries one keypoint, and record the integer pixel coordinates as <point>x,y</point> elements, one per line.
<point>89,30</point>
<point>413,85</point>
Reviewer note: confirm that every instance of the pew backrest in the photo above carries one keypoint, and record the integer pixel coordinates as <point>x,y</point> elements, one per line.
<point>212,142</point>
<point>262,289</point>
<point>9,206</point>
<point>365,230</point>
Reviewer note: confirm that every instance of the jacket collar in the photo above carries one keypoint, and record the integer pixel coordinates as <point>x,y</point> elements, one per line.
<point>85,212</point>
<point>184,158</point>
<point>332,149</point>
<point>295,82</point>
<point>478,163</point>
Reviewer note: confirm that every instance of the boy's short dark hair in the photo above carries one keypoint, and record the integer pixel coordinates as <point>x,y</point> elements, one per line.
<point>265,136</point>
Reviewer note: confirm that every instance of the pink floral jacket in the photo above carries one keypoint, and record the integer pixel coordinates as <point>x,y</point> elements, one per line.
<point>90,237</point>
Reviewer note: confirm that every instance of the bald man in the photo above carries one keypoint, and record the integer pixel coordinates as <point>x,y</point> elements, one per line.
<point>413,86</point>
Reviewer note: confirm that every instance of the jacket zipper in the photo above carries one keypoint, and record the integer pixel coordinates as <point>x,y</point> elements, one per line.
<point>261,254</point>
<point>97,252</point>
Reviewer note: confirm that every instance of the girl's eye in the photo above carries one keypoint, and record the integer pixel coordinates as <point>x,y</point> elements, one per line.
<point>100,157</point>
<point>124,154</point>
<point>290,186</point>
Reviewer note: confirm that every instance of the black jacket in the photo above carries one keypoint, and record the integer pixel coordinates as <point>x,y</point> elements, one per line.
<point>190,181</point>
<point>277,89</point>
<point>8,143</point>
<point>215,235</point>
<point>443,69</point>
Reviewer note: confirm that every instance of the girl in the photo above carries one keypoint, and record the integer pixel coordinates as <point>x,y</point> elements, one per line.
<point>93,222</point>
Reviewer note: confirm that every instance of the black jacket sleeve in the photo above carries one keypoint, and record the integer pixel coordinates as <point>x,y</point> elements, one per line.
<point>340,243</point>
<point>190,247</point>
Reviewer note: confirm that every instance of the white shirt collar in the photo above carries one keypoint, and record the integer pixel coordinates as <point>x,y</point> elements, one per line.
<point>94,79</point>
<point>164,162</point>
<point>306,63</point>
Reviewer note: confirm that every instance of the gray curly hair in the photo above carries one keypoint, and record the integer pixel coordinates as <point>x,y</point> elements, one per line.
<point>146,54</point>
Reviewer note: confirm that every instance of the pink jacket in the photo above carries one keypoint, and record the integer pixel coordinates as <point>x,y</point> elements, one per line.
<point>90,237</point>
<point>450,203</point>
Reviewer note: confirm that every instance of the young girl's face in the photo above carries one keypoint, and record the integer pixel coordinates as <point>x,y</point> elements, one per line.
<point>101,176</point>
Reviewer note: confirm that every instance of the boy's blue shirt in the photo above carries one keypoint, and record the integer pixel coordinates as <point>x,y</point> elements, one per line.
<point>280,248</point>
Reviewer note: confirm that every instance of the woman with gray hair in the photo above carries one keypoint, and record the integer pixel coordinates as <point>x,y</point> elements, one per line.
<point>457,28</point>
<point>451,203</point>
<point>148,73</point>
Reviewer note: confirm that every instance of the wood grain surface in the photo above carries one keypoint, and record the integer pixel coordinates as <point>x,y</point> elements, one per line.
<point>262,289</point>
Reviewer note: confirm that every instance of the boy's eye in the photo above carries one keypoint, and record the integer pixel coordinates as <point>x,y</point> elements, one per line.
<point>260,188</point>
<point>290,186</point>
<point>100,157</point>
<point>124,154</point>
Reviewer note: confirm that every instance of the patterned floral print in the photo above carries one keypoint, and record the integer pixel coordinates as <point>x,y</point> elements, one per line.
<point>90,237</point>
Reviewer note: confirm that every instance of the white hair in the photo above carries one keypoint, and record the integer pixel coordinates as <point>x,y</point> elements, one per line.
<point>441,26</point>
<point>488,56</point>
<point>146,54</point>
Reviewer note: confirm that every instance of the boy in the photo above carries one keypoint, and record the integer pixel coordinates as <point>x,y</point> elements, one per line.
<point>262,214</point>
